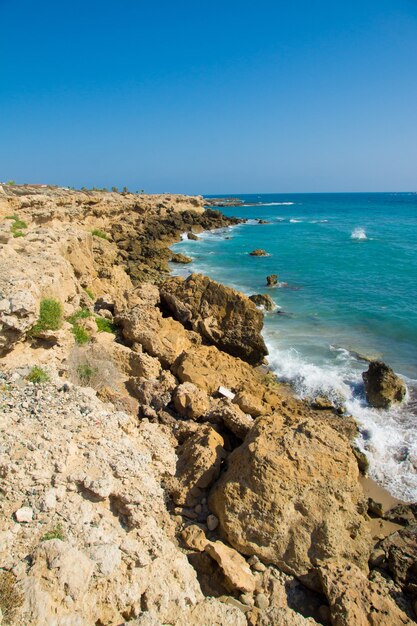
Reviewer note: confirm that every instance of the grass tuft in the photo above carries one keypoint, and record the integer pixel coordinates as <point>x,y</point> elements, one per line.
<point>55,533</point>
<point>50,316</point>
<point>17,226</point>
<point>89,294</point>
<point>37,375</point>
<point>81,336</point>
<point>85,372</point>
<point>99,233</point>
<point>105,326</point>
<point>81,314</point>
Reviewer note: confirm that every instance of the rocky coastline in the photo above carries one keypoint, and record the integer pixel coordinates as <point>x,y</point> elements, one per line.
<point>152,471</point>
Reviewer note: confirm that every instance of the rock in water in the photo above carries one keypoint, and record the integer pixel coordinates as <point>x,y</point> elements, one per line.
<point>272,280</point>
<point>223,316</point>
<point>258,252</point>
<point>262,299</point>
<point>281,497</point>
<point>177,257</point>
<point>383,387</point>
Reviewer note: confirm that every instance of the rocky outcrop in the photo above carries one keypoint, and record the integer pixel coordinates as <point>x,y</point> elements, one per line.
<point>258,252</point>
<point>383,387</point>
<point>275,499</point>
<point>190,401</point>
<point>223,316</point>
<point>355,600</point>
<point>272,280</point>
<point>263,300</point>
<point>180,258</point>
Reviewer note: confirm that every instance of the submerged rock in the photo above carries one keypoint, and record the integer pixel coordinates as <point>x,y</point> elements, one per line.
<point>383,387</point>
<point>262,299</point>
<point>223,316</point>
<point>281,496</point>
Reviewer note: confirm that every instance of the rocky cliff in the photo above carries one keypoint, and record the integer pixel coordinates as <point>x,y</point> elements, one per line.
<point>150,474</point>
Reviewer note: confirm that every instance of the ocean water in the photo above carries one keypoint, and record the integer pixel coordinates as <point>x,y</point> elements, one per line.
<point>347,267</point>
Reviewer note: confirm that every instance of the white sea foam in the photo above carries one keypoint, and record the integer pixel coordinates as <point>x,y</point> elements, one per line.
<point>358,233</point>
<point>387,437</point>
<point>294,221</point>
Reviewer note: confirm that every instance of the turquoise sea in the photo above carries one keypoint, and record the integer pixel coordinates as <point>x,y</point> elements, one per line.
<point>347,267</point>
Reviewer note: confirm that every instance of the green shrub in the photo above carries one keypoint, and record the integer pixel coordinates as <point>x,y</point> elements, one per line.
<point>114,189</point>
<point>55,533</point>
<point>85,372</point>
<point>99,233</point>
<point>50,316</point>
<point>11,182</point>
<point>17,226</point>
<point>81,336</point>
<point>10,597</point>
<point>105,326</point>
<point>37,375</point>
<point>89,294</point>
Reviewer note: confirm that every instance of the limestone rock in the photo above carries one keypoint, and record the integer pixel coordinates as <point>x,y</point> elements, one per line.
<point>190,401</point>
<point>24,515</point>
<point>401,555</point>
<point>233,418</point>
<point>283,616</point>
<point>198,465</point>
<point>290,495</point>
<point>194,538</point>
<point>180,258</point>
<point>223,316</point>
<point>355,600</point>
<point>272,280</point>
<point>258,252</point>
<point>263,300</point>
<point>235,569</point>
<point>383,387</point>
<point>249,404</point>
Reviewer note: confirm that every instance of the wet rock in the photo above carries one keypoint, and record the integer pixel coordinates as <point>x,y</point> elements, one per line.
<point>401,553</point>
<point>375,508</point>
<point>180,258</point>
<point>192,236</point>
<point>258,252</point>
<point>223,316</point>
<point>320,403</point>
<point>272,280</point>
<point>383,387</point>
<point>263,300</point>
<point>294,475</point>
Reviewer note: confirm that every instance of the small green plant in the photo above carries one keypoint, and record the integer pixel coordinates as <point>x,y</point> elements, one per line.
<point>10,597</point>
<point>114,189</point>
<point>86,372</point>
<point>54,533</point>
<point>125,189</point>
<point>11,182</point>
<point>105,326</point>
<point>17,226</point>
<point>84,188</point>
<point>37,375</point>
<point>99,233</point>
<point>89,294</point>
<point>50,316</point>
<point>81,314</point>
<point>81,336</point>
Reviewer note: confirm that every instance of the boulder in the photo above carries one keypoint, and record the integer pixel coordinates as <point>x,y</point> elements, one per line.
<point>258,252</point>
<point>383,387</point>
<point>232,417</point>
<point>401,556</point>
<point>272,280</point>
<point>198,466</point>
<point>237,572</point>
<point>249,403</point>
<point>354,600</point>
<point>223,316</point>
<point>263,300</point>
<point>291,496</point>
<point>177,257</point>
<point>190,401</point>
<point>192,236</point>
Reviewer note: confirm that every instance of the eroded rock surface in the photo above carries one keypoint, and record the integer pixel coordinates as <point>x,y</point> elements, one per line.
<point>223,316</point>
<point>383,387</point>
<point>275,499</point>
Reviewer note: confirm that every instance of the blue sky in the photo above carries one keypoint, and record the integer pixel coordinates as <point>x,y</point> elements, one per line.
<point>210,97</point>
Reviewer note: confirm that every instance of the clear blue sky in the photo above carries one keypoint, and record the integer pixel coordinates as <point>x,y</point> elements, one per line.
<point>210,97</point>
